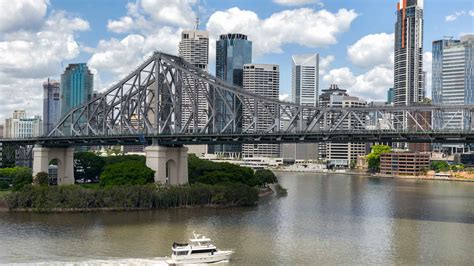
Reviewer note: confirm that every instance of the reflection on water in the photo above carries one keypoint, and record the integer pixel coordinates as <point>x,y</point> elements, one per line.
<point>329,219</point>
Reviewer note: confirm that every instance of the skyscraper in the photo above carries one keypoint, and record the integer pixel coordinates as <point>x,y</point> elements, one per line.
<point>194,48</point>
<point>457,82</point>
<point>77,83</point>
<point>437,68</point>
<point>408,75</point>
<point>51,105</point>
<point>305,79</point>
<point>264,80</point>
<point>233,50</point>
<point>390,96</point>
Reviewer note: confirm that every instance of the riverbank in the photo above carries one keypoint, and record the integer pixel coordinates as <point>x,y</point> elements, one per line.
<point>358,173</point>
<point>138,197</point>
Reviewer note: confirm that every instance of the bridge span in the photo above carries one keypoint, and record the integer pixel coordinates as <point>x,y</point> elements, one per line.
<point>166,103</point>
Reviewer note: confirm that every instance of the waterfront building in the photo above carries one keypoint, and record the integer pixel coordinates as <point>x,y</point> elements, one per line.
<point>305,79</point>
<point>51,105</point>
<point>76,86</point>
<point>1,131</point>
<point>19,126</point>
<point>408,63</point>
<point>342,154</point>
<point>264,80</point>
<point>194,48</point>
<point>404,164</point>
<point>233,51</point>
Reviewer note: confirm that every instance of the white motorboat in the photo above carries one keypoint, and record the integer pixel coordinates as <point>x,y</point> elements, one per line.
<point>199,250</point>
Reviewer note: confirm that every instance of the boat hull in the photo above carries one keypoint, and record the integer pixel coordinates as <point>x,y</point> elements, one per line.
<point>196,259</point>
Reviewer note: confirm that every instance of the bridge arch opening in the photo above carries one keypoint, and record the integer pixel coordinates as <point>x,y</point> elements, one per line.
<point>171,172</point>
<point>54,167</point>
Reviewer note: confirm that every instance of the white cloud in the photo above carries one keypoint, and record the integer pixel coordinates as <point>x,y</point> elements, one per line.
<point>340,76</point>
<point>122,25</point>
<point>171,12</point>
<point>297,2</point>
<point>324,63</point>
<point>284,97</point>
<point>302,26</point>
<point>456,15</point>
<point>22,14</point>
<point>372,50</point>
<point>27,57</point>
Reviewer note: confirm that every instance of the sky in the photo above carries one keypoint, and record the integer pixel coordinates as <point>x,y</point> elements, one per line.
<point>354,39</point>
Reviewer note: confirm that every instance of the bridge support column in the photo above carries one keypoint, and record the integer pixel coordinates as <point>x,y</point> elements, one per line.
<point>65,158</point>
<point>169,163</point>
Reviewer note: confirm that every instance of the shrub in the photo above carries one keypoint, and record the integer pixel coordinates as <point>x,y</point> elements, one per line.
<point>4,184</point>
<point>265,176</point>
<point>42,179</point>
<point>87,165</point>
<point>23,177</point>
<point>126,173</point>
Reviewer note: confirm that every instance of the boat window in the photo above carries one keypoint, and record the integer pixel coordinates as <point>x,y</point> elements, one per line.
<point>182,253</point>
<point>203,251</point>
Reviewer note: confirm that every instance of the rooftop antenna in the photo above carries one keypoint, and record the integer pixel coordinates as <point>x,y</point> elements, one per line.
<point>197,23</point>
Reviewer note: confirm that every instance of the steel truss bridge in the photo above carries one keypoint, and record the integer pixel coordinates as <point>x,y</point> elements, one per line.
<point>168,101</point>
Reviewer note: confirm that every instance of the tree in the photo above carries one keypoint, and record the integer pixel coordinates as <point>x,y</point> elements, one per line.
<point>87,165</point>
<point>373,158</point>
<point>23,177</point>
<point>265,176</point>
<point>439,166</point>
<point>126,173</point>
<point>42,179</point>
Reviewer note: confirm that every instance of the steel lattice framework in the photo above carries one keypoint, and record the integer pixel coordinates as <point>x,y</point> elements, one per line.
<point>148,102</point>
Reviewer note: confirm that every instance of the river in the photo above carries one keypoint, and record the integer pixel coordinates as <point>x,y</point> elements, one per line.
<point>325,219</point>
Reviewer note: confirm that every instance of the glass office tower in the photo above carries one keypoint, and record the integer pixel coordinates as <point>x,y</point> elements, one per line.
<point>233,50</point>
<point>76,86</point>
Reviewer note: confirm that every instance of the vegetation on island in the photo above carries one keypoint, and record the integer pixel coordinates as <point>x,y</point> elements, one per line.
<point>125,182</point>
<point>373,158</point>
<point>443,166</point>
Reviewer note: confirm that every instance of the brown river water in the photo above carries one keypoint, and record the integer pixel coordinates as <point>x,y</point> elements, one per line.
<point>326,219</point>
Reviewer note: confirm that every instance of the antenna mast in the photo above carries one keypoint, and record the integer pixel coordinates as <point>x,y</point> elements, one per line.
<point>197,23</point>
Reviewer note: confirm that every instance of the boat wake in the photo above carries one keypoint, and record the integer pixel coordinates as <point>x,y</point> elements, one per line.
<point>106,262</point>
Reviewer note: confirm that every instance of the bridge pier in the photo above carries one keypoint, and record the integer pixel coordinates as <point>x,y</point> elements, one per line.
<point>65,156</point>
<point>169,163</point>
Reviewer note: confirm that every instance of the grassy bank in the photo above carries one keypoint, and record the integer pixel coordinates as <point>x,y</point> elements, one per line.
<point>58,198</point>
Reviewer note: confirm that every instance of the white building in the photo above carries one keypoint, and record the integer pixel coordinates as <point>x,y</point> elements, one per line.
<point>305,79</point>
<point>21,127</point>
<point>457,80</point>
<point>264,80</point>
<point>342,154</point>
<point>194,48</point>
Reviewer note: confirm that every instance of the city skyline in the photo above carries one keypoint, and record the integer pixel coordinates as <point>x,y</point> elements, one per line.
<point>118,35</point>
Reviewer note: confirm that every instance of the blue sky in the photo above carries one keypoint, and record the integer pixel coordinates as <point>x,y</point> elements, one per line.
<point>353,38</point>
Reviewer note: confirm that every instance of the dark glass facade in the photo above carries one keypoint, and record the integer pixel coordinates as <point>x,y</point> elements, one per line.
<point>51,105</point>
<point>437,69</point>
<point>233,50</point>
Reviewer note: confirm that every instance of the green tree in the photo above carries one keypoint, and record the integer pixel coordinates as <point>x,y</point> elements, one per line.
<point>4,185</point>
<point>42,179</point>
<point>126,173</point>
<point>373,158</point>
<point>439,166</point>
<point>87,165</point>
<point>265,176</point>
<point>23,177</point>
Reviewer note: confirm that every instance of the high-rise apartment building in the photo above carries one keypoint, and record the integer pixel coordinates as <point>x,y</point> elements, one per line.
<point>233,50</point>
<point>77,83</point>
<point>342,154</point>
<point>19,126</point>
<point>194,48</point>
<point>305,79</point>
<point>51,105</point>
<point>408,68</point>
<point>264,80</point>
